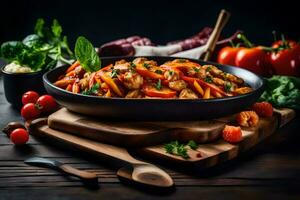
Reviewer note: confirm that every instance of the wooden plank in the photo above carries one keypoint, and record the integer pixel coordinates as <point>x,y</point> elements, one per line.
<point>134,133</point>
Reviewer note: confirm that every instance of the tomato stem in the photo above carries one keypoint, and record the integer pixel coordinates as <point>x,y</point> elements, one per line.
<point>245,40</point>
<point>274,36</point>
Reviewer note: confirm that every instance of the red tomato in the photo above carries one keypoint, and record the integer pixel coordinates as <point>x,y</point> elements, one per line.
<point>253,59</point>
<point>232,134</point>
<point>143,71</point>
<point>30,97</point>
<point>263,109</point>
<point>280,43</point>
<point>47,103</point>
<point>227,55</point>
<point>30,111</point>
<point>164,92</point>
<point>287,61</point>
<point>19,136</point>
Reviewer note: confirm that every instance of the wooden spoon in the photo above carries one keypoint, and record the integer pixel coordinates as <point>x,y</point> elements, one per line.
<point>136,170</point>
<point>220,24</point>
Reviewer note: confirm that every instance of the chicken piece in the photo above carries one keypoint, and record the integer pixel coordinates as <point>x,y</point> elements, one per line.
<point>243,90</point>
<point>213,70</point>
<point>247,118</point>
<point>218,81</point>
<point>178,85</point>
<point>120,62</point>
<point>144,61</point>
<point>171,75</point>
<point>79,71</point>
<point>133,80</point>
<point>122,67</point>
<point>84,84</point>
<point>187,94</point>
<point>134,94</point>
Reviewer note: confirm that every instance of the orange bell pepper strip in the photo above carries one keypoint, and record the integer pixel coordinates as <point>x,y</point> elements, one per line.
<point>143,71</point>
<point>204,84</point>
<point>108,67</point>
<point>164,92</point>
<point>73,66</point>
<point>198,88</point>
<point>63,83</point>
<point>206,93</point>
<point>111,83</point>
<point>108,93</point>
<point>92,80</point>
<point>69,88</point>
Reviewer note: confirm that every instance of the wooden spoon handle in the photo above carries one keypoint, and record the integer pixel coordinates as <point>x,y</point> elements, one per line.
<point>39,127</point>
<point>214,37</point>
<point>87,176</point>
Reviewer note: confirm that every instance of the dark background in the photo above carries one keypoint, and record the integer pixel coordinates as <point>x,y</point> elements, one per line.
<point>162,21</point>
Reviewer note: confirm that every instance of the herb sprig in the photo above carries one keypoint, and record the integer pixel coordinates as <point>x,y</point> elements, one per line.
<point>180,149</point>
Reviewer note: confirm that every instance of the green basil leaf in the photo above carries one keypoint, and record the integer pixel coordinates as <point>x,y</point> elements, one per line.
<point>33,40</point>
<point>86,55</point>
<point>39,27</point>
<point>56,28</point>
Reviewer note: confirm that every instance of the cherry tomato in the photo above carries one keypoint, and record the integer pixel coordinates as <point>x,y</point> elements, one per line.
<point>280,43</point>
<point>143,71</point>
<point>286,61</point>
<point>164,92</point>
<point>30,111</point>
<point>253,59</point>
<point>227,55</point>
<point>30,97</point>
<point>47,103</point>
<point>19,136</point>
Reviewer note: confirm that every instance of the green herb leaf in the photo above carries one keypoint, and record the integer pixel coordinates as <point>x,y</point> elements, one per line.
<point>228,87</point>
<point>196,69</point>
<point>176,148</point>
<point>146,65</point>
<point>39,27</point>
<point>158,71</point>
<point>282,91</point>
<point>193,145</point>
<point>158,85</point>
<point>114,73</point>
<point>56,28</point>
<point>33,41</point>
<point>208,79</point>
<point>87,55</point>
<point>94,90</point>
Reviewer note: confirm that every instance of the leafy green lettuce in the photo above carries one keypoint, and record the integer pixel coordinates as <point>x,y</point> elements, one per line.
<point>282,91</point>
<point>41,50</point>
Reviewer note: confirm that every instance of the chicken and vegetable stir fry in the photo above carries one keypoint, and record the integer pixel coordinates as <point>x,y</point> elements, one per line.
<point>143,78</point>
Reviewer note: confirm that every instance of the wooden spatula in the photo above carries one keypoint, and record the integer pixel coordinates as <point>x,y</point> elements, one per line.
<point>136,170</point>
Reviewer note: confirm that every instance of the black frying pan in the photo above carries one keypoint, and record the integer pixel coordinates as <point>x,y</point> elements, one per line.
<point>155,109</point>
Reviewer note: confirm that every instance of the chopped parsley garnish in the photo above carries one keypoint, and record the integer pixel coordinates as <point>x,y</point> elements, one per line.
<point>180,149</point>
<point>176,148</point>
<point>94,90</point>
<point>114,73</point>
<point>171,73</point>
<point>158,71</point>
<point>208,79</point>
<point>158,84</point>
<point>208,69</point>
<point>227,87</point>
<point>132,65</point>
<point>146,65</point>
<point>196,69</point>
<point>193,145</point>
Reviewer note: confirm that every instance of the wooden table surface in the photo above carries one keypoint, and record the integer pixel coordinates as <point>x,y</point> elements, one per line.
<point>269,171</point>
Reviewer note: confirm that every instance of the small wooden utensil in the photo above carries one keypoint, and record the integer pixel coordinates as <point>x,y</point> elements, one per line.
<point>87,177</point>
<point>211,43</point>
<point>137,171</point>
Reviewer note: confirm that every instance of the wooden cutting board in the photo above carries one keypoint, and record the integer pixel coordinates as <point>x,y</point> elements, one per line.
<point>206,155</point>
<point>134,133</point>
